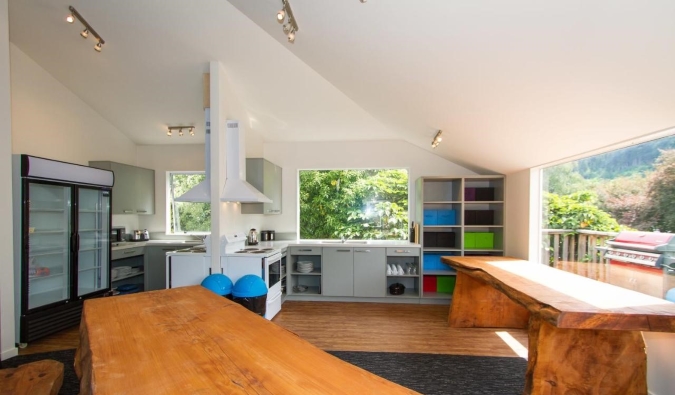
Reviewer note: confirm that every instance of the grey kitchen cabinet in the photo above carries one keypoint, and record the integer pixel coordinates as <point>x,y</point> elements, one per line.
<point>155,265</point>
<point>338,271</point>
<point>370,272</point>
<point>134,189</point>
<point>265,176</point>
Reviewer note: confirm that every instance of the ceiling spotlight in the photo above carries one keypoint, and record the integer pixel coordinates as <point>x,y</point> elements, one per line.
<point>87,28</point>
<point>437,139</point>
<point>363,1</point>
<point>180,129</point>
<point>180,132</point>
<point>168,133</point>
<point>192,131</point>
<point>286,13</point>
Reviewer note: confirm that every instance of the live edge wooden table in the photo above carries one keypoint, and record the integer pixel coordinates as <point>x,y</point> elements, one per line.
<point>584,335</point>
<point>192,341</point>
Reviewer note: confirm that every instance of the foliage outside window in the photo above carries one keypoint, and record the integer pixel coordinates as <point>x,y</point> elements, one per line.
<point>631,188</point>
<point>186,217</point>
<point>354,204</point>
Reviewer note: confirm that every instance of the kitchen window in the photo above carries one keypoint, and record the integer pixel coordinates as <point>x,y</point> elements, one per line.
<point>186,217</point>
<point>355,204</point>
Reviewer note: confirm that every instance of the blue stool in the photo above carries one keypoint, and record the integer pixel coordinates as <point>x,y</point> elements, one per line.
<point>218,283</point>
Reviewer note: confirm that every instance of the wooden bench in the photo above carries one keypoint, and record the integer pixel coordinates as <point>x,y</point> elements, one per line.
<point>584,335</point>
<point>35,378</point>
<point>191,341</point>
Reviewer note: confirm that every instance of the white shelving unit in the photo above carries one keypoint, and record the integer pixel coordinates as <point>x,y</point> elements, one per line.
<point>458,216</point>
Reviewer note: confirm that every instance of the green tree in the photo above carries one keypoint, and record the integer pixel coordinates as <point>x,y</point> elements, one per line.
<point>192,217</point>
<point>662,193</point>
<point>356,204</point>
<point>564,179</point>
<point>625,199</point>
<point>577,211</point>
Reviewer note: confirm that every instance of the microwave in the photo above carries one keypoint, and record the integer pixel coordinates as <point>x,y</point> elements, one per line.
<point>117,234</point>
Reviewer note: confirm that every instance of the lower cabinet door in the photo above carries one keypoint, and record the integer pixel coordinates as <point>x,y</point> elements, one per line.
<point>370,272</point>
<point>337,273</point>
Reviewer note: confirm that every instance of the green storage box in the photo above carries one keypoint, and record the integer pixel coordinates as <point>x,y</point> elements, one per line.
<point>485,240</point>
<point>469,240</point>
<point>445,284</point>
<point>479,240</point>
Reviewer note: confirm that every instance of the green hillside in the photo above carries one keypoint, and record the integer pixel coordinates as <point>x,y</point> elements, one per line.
<point>626,161</point>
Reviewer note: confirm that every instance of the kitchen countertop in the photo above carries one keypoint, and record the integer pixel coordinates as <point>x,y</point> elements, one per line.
<point>335,243</point>
<point>134,244</point>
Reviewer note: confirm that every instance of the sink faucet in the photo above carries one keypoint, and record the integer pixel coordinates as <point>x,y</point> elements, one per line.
<point>342,238</point>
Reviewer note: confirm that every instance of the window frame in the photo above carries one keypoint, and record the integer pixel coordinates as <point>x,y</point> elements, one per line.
<point>297,200</point>
<point>169,200</point>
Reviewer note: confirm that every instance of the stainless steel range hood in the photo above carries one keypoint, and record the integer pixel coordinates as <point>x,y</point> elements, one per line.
<point>201,193</point>
<point>236,188</point>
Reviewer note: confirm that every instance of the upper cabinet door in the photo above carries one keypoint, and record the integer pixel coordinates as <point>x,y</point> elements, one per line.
<point>145,191</point>
<point>265,176</point>
<point>134,189</point>
<point>124,190</point>
<point>272,187</point>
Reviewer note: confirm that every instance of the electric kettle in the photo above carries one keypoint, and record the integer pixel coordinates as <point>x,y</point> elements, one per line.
<point>252,237</point>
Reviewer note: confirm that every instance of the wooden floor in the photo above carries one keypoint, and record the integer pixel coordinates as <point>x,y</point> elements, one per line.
<point>402,327</point>
<point>362,327</point>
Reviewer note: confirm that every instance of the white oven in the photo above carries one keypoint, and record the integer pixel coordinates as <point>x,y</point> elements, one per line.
<point>238,260</point>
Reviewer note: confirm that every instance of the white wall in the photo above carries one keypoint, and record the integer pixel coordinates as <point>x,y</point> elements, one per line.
<point>342,155</point>
<point>519,220</point>
<point>7,338</point>
<point>164,158</point>
<point>48,120</point>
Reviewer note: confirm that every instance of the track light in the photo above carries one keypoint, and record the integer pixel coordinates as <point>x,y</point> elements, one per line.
<point>437,139</point>
<point>87,28</point>
<point>190,129</point>
<point>286,13</point>
<point>363,1</point>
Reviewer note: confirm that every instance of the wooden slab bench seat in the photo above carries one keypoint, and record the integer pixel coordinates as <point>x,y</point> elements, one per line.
<point>35,378</point>
<point>189,340</point>
<point>584,335</point>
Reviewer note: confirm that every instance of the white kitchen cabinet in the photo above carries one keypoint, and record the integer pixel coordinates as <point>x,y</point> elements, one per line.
<point>183,270</point>
<point>338,271</point>
<point>265,176</point>
<point>134,189</point>
<point>370,272</point>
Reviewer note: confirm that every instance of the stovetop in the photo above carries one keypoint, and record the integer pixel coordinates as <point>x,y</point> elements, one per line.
<point>234,245</point>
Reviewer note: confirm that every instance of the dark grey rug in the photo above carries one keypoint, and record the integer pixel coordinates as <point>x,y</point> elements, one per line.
<point>430,374</point>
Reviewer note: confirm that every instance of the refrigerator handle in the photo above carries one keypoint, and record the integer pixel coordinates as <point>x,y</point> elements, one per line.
<point>72,242</point>
<point>77,245</point>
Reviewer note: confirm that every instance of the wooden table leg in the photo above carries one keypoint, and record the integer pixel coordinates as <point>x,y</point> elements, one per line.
<point>477,304</point>
<point>584,361</point>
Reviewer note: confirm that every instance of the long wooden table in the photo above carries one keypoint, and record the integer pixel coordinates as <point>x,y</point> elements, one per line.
<point>191,341</point>
<point>584,335</point>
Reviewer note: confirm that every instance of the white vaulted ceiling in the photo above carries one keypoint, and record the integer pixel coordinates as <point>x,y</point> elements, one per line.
<point>511,84</point>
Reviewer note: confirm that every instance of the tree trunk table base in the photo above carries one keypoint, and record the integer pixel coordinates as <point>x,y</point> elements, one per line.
<point>584,336</point>
<point>35,378</point>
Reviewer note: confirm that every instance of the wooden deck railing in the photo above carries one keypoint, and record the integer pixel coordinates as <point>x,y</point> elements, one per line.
<point>575,245</point>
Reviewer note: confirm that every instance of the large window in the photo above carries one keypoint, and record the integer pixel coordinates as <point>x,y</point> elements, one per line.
<point>354,204</point>
<point>185,217</point>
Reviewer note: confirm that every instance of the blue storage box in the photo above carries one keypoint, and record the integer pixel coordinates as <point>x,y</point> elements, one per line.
<point>446,217</point>
<point>430,217</point>
<point>432,261</point>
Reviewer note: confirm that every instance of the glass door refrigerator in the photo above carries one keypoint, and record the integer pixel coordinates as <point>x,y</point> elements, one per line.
<point>62,223</point>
